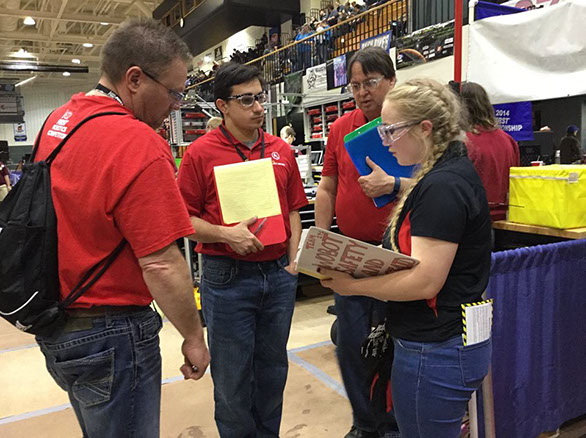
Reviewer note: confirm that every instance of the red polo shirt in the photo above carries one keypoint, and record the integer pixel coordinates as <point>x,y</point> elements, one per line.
<point>114,179</point>
<point>356,214</point>
<point>493,154</point>
<point>196,182</point>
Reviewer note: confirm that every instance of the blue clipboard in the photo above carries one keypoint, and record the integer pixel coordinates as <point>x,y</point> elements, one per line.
<point>365,142</point>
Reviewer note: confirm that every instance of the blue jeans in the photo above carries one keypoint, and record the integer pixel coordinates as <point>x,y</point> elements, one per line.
<point>432,383</point>
<point>248,308</point>
<point>356,315</point>
<point>110,366</point>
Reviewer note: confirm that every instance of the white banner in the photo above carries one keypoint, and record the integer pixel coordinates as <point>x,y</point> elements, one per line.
<point>533,55</point>
<point>317,78</point>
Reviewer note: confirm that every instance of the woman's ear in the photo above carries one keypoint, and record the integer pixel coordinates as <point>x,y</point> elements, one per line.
<point>426,127</point>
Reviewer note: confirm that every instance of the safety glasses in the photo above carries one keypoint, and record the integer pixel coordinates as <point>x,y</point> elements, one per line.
<point>388,133</point>
<point>247,100</point>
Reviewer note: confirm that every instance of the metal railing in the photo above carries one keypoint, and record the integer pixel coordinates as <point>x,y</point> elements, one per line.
<point>342,38</point>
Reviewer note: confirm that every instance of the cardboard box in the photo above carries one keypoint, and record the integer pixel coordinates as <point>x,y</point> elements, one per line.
<point>550,196</point>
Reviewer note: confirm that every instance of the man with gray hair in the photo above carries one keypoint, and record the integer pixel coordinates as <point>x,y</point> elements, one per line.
<point>113,186</point>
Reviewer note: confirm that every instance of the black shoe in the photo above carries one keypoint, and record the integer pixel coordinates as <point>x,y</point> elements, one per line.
<point>359,433</point>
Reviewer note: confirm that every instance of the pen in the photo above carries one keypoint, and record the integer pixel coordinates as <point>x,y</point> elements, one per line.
<point>260,226</point>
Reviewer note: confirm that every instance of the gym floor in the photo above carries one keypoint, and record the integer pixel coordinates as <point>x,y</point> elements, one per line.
<point>315,406</point>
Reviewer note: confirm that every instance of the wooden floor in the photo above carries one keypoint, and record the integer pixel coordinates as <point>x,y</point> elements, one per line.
<point>315,406</point>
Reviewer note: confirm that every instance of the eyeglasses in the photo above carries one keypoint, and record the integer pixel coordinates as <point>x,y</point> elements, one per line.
<point>368,85</point>
<point>247,100</point>
<point>387,132</point>
<point>176,96</point>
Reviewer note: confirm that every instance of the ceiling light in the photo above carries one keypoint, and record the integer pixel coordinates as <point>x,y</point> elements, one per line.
<point>22,54</point>
<point>103,23</point>
<point>88,45</point>
<point>25,81</point>
<point>181,22</point>
<point>76,61</point>
<point>66,73</point>
<point>29,21</point>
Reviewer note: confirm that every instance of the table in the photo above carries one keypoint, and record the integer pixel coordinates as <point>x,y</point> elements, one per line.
<point>510,235</point>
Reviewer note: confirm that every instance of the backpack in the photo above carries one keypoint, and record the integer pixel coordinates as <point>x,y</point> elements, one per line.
<point>29,274</point>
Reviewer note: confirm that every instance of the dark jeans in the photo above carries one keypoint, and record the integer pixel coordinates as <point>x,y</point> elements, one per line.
<point>432,383</point>
<point>248,308</point>
<point>356,315</point>
<point>110,366</point>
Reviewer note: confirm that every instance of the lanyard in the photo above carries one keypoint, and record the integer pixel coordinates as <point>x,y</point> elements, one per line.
<point>262,148</point>
<point>109,93</point>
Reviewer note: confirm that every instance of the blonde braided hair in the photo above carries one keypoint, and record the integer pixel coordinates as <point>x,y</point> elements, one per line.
<point>426,99</point>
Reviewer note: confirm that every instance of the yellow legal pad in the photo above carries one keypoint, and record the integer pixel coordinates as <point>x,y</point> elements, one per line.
<point>247,189</point>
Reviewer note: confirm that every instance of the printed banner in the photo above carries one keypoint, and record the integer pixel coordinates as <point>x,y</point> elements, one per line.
<point>531,4</point>
<point>383,41</point>
<point>19,131</point>
<point>317,78</point>
<point>516,119</point>
<point>433,42</point>
<point>340,71</point>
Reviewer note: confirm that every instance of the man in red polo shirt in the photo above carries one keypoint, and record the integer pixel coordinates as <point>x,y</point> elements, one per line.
<point>248,290</point>
<point>343,192</point>
<point>107,358</point>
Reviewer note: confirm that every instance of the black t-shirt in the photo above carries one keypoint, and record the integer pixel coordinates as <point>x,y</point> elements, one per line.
<point>448,204</point>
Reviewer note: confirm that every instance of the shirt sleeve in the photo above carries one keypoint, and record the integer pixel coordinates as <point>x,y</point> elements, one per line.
<point>192,185</point>
<point>296,197</point>
<point>441,208</point>
<point>330,167</point>
<point>151,214</point>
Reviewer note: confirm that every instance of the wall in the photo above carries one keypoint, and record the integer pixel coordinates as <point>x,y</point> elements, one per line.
<point>39,100</point>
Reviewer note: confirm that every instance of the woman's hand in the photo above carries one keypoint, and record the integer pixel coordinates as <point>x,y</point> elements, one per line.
<point>339,282</point>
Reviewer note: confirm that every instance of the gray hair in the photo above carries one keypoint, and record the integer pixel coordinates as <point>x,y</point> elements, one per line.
<point>144,43</point>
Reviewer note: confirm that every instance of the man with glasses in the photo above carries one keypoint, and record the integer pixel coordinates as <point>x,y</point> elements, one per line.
<point>248,290</point>
<point>344,193</point>
<point>113,182</point>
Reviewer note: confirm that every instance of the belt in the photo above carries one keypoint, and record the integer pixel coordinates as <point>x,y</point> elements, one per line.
<point>95,311</point>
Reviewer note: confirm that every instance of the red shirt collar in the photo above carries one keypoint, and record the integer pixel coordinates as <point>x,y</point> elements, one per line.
<point>235,141</point>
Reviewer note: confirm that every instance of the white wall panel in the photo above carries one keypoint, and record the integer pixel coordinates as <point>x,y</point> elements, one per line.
<point>39,101</point>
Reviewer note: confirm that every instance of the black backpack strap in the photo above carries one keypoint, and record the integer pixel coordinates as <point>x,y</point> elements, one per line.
<point>38,140</point>
<point>53,154</point>
<point>105,263</point>
<point>80,288</point>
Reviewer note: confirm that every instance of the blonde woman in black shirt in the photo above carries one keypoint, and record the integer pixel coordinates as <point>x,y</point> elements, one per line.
<point>444,222</point>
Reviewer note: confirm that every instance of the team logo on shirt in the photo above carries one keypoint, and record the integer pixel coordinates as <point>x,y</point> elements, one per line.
<point>276,156</point>
<point>67,115</point>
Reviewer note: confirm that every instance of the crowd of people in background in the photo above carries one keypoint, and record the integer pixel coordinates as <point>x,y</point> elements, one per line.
<point>333,14</point>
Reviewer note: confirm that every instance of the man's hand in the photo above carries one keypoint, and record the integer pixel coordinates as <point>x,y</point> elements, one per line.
<point>378,183</point>
<point>291,268</point>
<point>196,357</point>
<point>337,281</point>
<point>241,240</point>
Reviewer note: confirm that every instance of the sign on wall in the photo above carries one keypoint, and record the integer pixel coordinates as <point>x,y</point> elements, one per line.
<point>317,78</point>
<point>383,41</point>
<point>516,119</point>
<point>19,131</point>
<point>428,44</point>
